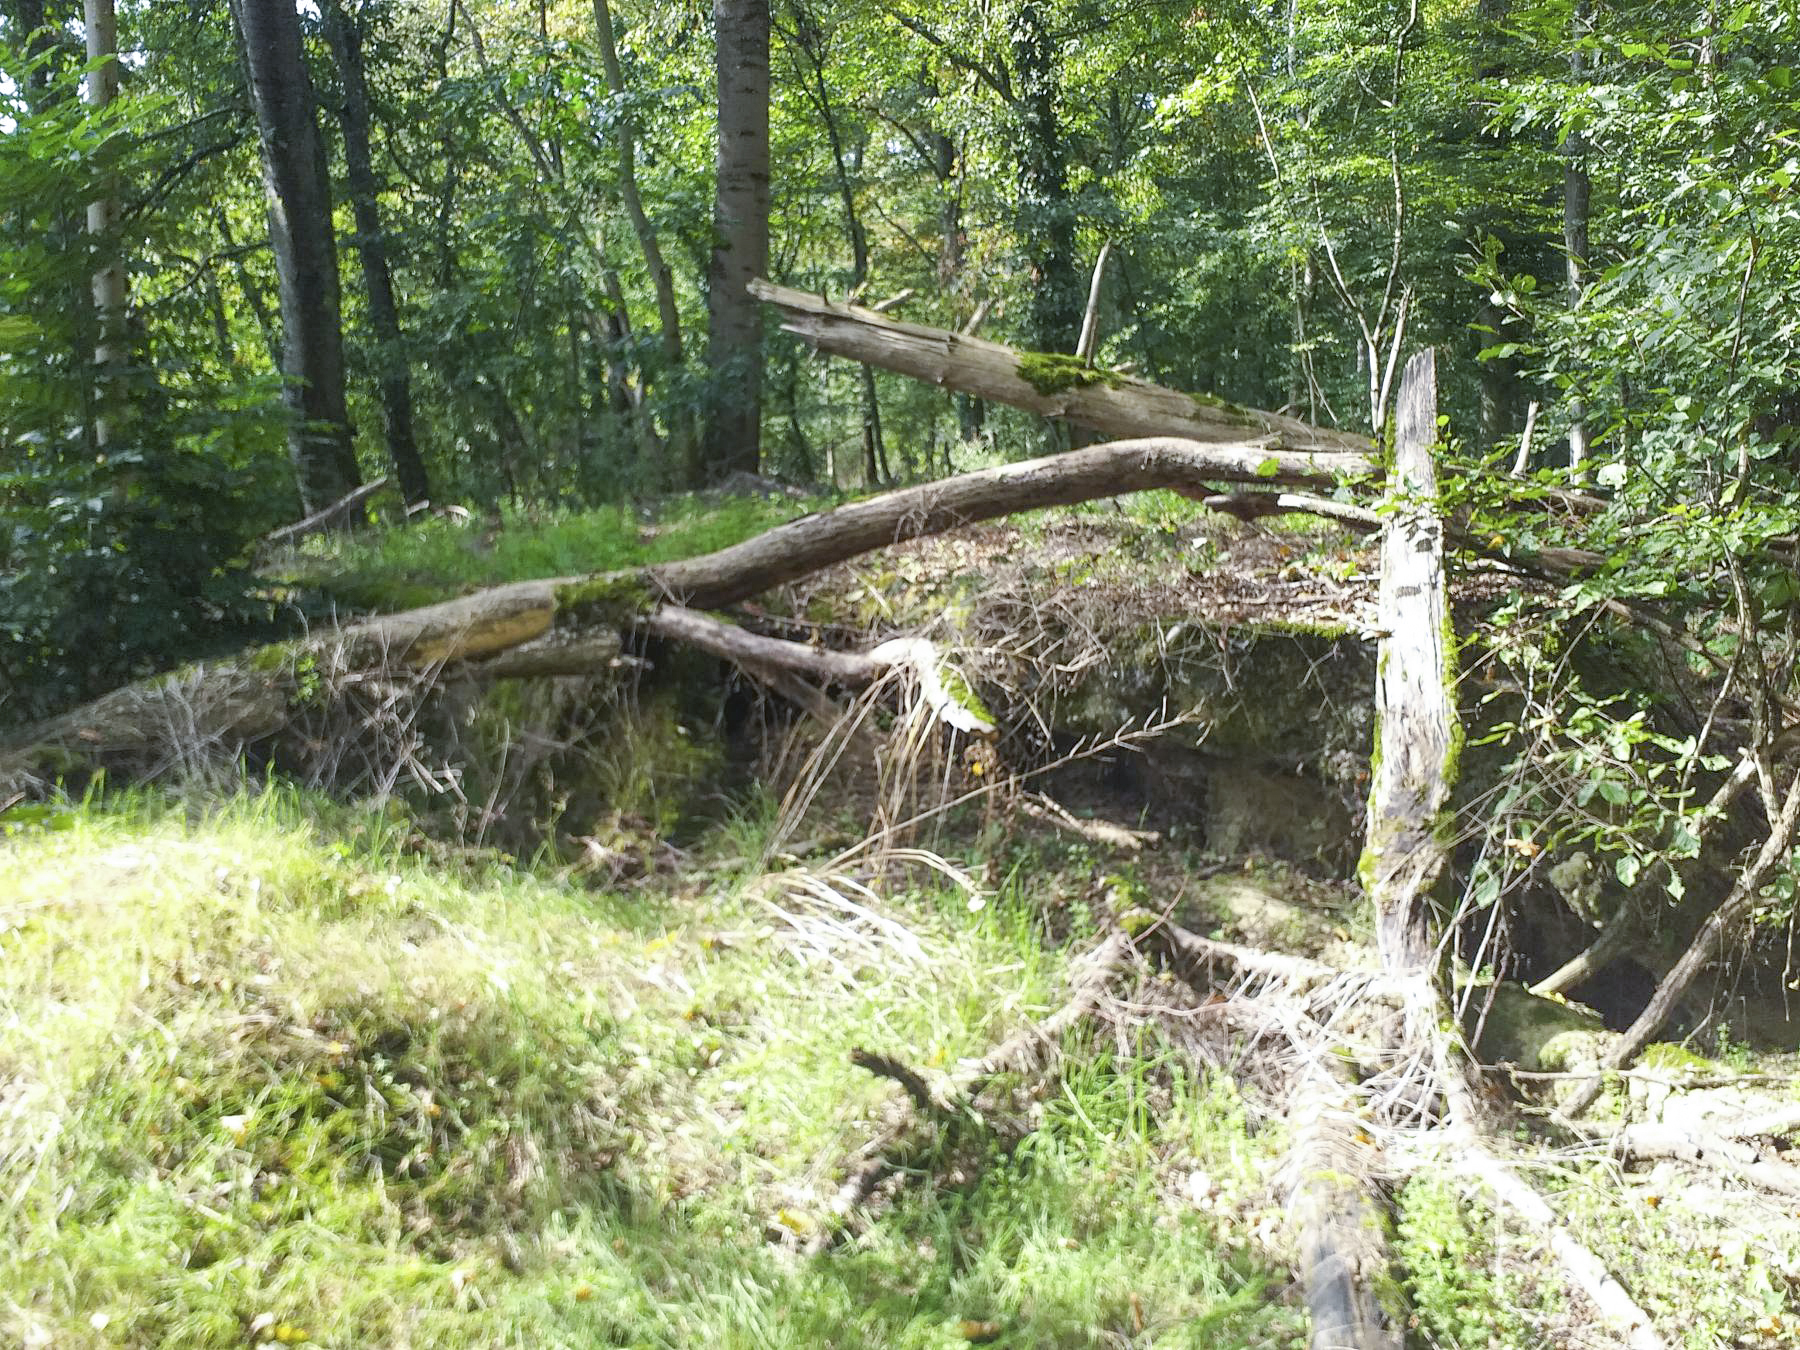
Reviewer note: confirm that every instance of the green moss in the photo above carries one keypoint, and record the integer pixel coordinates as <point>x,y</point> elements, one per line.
<point>272,659</point>
<point>1053,373</point>
<point>1212,403</point>
<point>1134,922</point>
<point>960,693</point>
<point>610,598</point>
<point>1663,1055</point>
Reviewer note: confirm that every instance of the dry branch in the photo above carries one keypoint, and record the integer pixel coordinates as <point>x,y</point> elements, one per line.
<point>933,1118</point>
<point>1707,1148</point>
<point>1585,1270</point>
<point>1105,832</point>
<point>324,518</point>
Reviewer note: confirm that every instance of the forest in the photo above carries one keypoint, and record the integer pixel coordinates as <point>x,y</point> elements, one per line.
<point>809,673</point>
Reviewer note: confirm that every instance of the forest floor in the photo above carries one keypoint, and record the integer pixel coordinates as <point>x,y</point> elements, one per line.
<point>277,1069</point>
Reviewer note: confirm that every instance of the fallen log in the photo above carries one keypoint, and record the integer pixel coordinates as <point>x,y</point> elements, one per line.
<point>1063,387</point>
<point>1705,1148</point>
<point>1350,1287</point>
<point>555,625</point>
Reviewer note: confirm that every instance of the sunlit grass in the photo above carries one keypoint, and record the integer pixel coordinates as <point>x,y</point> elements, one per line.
<point>436,559</point>
<point>267,1073</point>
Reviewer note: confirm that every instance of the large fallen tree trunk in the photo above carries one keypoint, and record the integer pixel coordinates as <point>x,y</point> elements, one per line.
<point>571,625</point>
<point>1063,387</point>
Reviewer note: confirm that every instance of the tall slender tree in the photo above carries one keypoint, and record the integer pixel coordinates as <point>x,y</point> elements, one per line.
<point>1577,207</point>
<point>393,374</point>
<point>300,236</point>
<point>741,241</point>
<point>101,89</point>
<point>1046,215</point>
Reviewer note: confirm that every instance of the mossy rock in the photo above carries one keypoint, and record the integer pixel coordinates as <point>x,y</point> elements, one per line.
<point>1289,695</point>
<point>1541,1035</point>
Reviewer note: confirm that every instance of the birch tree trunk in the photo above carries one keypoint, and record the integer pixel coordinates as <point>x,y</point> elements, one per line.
<point>102,88</point>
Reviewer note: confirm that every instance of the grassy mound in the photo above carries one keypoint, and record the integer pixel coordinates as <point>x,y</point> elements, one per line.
<point>269,1076</point>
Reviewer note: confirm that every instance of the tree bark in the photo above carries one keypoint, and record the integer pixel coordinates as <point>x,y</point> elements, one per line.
<point>103,224</point>
<point>1046,215</point>
<point>1415,717</point>
<point>1055,386</point>
<point>300,232</point>
<point>811,40</point>
<point>394,375</point>
<point>1342,1231</point>
<point>661,280</point>
<point>741,251</point>
<point>1577,192</point>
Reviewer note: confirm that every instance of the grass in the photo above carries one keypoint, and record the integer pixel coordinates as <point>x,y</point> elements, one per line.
<point>268,1075</point>
<point>440,558</point>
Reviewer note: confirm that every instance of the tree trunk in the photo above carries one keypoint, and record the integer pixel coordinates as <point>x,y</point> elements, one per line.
<point>1046,215</point>
<point>1055,386</point>
<point>300,232</point>
<point>252,292</point>
<point>811,40</point>
<point>103,225</point>
<point>660,278</point>
<point>741,248</point>
<point>1416,720</point>
<point>394,374</point>
<point>1577,191</point>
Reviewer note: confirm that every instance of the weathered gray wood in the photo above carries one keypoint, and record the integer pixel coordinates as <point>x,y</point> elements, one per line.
<point>804,545</point>
<point>1415,665</point>
<point>1332,1199</point>
<point>1106,402</point>
<point>1341,1226</point>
